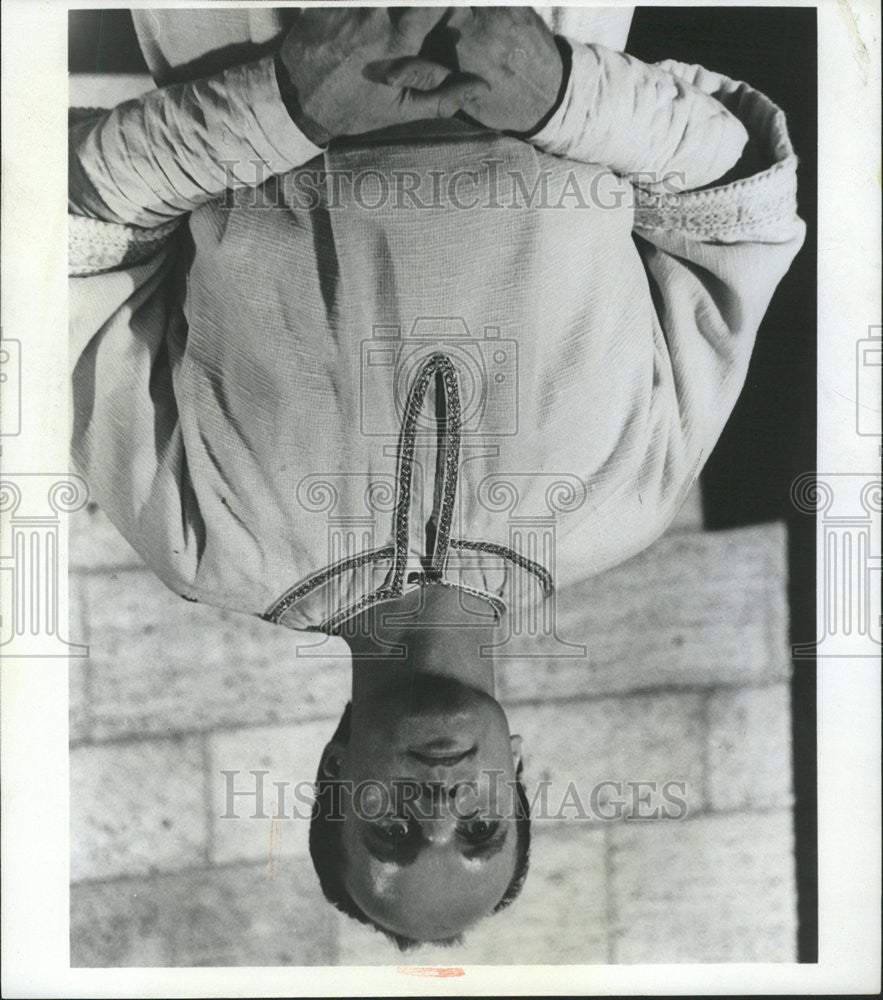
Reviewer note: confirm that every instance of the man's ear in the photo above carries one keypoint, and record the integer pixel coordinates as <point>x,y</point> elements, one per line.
<point>515,747</point>
<point>332,759</point>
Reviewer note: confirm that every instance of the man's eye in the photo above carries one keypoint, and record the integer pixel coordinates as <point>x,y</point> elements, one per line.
<point>478,831</point>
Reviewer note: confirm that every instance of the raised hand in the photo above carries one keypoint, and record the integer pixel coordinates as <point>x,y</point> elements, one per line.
<point>340,64</point>
<point>509,47</point>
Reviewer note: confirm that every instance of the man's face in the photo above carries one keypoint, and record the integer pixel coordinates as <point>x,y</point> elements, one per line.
<point>429,833</point>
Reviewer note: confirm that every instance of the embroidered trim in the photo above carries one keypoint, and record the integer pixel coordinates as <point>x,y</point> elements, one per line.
<point>436,363</point>
<point>95,246</point>
<point>498,606</point>
<point>540,572</point>
<point>743,209</point>
<point>386,593</point>
<point>339,617</point>
<point>300,590</point>
<point>401,512</point>
<point>451,467</point>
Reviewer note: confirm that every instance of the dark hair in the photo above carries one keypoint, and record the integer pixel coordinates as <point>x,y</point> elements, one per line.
<point>326,848</point>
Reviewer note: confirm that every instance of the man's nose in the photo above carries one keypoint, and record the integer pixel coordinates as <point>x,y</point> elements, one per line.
<point>438,832</point>
<point>449,799</point>
<point>437,823</point>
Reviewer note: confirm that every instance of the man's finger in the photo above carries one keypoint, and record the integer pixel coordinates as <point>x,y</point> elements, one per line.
<point>415,23</point>
<point>419,74</point>
<point>461,92</point>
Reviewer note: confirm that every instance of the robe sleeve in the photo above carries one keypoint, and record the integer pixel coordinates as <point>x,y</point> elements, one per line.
<point>714,176</point>
<point>134,173</point>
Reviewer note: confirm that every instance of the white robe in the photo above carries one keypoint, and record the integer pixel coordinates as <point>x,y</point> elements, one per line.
<point>257,393</point>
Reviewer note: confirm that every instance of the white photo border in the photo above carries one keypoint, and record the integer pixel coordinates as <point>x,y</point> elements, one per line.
<point>34,692</point>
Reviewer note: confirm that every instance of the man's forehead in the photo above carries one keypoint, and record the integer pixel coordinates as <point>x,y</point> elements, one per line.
<point>438,895</point>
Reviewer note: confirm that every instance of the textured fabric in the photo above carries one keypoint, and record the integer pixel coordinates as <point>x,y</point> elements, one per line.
<point>149,160</point>
<point>257,400</point>
<point>676,138</point>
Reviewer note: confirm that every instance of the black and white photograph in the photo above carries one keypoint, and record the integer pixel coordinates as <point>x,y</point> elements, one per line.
<point>440,553</point>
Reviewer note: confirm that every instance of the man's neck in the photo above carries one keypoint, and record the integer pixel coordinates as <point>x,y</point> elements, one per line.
<point>436,630</point>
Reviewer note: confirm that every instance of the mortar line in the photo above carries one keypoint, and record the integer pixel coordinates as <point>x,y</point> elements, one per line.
<point>207,801</point>
<point>610,915</point>
<point>233,728</point>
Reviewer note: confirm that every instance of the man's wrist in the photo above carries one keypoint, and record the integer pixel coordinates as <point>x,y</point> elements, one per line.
<point>566,54</point>
<point>315,132</point>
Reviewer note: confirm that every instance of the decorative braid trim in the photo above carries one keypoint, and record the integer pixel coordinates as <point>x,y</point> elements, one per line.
<point>744,209</point>
<point>540,572</point>
<point>498,606</point>
<point>95,246</point>
<point>300,590</point>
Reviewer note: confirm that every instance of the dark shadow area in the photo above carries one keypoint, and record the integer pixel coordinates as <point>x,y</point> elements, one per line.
<point>770,438</point>
<point>103,41</point>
